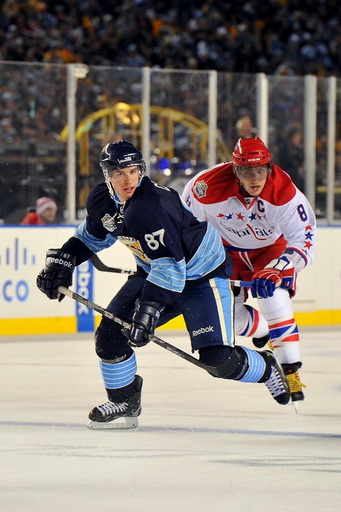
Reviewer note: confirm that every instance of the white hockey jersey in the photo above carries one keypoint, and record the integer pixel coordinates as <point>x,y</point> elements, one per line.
<point>246,222</point>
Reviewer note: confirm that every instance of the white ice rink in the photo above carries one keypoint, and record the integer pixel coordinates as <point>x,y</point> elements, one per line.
<point>203,444</point>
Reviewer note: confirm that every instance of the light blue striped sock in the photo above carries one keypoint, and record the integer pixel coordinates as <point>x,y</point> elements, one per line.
<point>118,375</point>
<point>256,366</point>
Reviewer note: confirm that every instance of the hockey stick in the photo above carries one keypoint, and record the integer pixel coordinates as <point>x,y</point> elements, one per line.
<point>216,371</point>
<point>102,267</point>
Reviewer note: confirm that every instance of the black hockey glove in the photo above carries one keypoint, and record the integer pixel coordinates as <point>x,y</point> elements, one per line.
<point>59,266</point>
<point>145,318</point>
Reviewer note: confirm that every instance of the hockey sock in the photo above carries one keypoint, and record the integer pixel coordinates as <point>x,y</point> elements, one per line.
<point>119,377</point>
<point>256,366</point>
<point>284,337</point>
<point>250,322</point>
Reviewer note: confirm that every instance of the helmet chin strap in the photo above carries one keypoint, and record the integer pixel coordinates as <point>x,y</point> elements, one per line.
<point>110,188</point>
<point>141,176</point>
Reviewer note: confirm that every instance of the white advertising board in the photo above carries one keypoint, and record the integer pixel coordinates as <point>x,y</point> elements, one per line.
<point>24,309</point>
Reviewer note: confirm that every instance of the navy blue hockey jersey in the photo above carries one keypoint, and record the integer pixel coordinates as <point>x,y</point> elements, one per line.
<point>168,242</point>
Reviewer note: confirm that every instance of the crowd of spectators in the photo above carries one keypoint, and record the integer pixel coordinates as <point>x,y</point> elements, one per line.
<point>294,37</point>
<point>284,38</point>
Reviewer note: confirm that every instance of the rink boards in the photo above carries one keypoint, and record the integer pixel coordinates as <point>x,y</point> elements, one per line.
<point>25,310</point>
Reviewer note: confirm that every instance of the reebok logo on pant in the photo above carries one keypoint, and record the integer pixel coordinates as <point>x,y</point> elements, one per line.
<point>203,330</point>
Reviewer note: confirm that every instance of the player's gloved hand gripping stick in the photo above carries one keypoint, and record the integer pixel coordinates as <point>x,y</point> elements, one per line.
<point>143,324</point>
<point>280,272</point>
<point>264,284</point>
<point>216,371</point>
<point>58,270</point>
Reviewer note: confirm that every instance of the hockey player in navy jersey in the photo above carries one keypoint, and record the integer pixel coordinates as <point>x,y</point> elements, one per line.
<point>182,268</point>
<point>269,228</point>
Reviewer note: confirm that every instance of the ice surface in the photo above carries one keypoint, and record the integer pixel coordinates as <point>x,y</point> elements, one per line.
<point>203,444</point>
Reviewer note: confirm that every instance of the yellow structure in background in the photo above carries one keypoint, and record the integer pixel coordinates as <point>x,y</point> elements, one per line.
<point>124,120</point>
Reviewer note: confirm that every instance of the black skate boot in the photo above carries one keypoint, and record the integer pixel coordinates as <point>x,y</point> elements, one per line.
<point>295,384</point>
<point>260,342</point>
<point>277,384</point>
<point>108,415</point>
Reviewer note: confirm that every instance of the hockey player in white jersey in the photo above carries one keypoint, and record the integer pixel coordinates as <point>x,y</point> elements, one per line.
<point>269,228</point>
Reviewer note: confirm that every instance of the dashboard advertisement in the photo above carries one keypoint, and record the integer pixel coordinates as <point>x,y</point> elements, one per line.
<point>26,310</point>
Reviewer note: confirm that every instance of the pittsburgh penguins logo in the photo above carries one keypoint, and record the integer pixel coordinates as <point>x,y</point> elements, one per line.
<point>134,246</point>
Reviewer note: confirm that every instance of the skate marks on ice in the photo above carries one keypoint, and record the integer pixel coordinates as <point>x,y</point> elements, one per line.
<point>202,443</point>
<point>179,429</point>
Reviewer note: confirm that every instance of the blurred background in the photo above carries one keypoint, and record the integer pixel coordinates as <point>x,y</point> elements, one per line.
<point>182,82</point>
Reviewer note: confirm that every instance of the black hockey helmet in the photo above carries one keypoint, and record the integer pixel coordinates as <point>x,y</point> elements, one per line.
<point>118,155</point>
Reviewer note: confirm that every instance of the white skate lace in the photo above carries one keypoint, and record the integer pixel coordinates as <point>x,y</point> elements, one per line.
<point>274,383</point>
<point>112,407</point>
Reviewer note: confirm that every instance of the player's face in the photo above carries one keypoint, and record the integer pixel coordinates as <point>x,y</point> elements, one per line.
<point>253,179</point>
<point>125,181</point>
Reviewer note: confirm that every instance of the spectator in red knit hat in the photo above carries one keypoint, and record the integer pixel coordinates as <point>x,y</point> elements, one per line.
<point>44,213</point>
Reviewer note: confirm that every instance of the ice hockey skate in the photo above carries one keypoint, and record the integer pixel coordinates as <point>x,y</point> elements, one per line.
<point>295,384</point>
<point>118,415</point>
<point>277,383</point>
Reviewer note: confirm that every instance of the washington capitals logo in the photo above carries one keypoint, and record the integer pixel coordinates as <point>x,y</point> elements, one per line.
<point>200,189</point>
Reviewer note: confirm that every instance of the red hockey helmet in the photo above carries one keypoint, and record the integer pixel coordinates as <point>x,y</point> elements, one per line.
<point>250,152</point>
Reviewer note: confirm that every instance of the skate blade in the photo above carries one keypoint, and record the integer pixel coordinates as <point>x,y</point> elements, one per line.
<point>125,423</point>
<point>295,405</point>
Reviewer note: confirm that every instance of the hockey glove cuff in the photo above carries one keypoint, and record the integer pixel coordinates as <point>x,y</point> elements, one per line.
<point>59,266</point>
